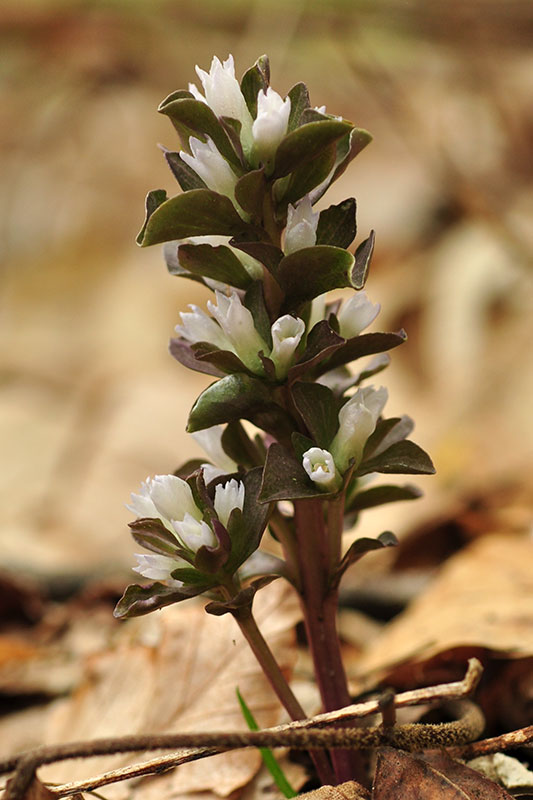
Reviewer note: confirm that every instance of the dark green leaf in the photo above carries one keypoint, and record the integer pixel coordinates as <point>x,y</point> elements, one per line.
<point>254,80</point>
<point>284,478</point>
<point>299,97</point>
<point>379,495</point>
<point>184,174</point>
<point>344,380</point>
<point>321,343</point>
<point>170,253</point>
<point>357,140</point>
<point>197,117</point>
<point>199,212</point>
<point>363,257</point>
<point>267,254</point>
<point>311,271</point>
<point>183,352</point>
<point>239,447</point>
<point>337,225</point>
<point>224,360</point>
<point>301,444</point>
<point>305,143</point>
<point>366,344</point>
<point>218,263</point>
<point>360,547</point>
<point>309,175</point>
<point>139,600</point>
<point>254,301</point>
<point>404,457</point>
<point>246,529</point>
<point>232,127</point>
<point>388,431</point>
<point>154,199</point>
<point>250,192</point>
<point>153,535</point>
<point>231,398</point>
<point>318,409</point>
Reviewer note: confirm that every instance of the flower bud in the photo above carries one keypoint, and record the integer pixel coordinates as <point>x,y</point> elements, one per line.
<point>199,327</point>
<point>158,568</point>
<point>320,467</point>
<point>287,332</point>
<point>301,227</point>
<point>238,325</point>
<point>228,496</point>
<point>212,168</point>
<point>165,497</point>
<point>357,421</point>
<point>356,314</point>
<point>194,534</point>
<point>270,125</point>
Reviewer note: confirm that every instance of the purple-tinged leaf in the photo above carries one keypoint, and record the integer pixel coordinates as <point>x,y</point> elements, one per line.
<point>366,344</point>
<point>304,143</point>
<point>405,458</point>
<point>337,225</point>
<point>139,600</point>
<point>363,257</point>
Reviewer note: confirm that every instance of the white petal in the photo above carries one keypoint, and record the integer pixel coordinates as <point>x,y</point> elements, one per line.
<point>199,327</point>
<point>213,168</point>
<point>223,94</point>
<point>238,325</point>
<point>287,332</point>
<point>157,568</point>
<point>357,421</point>
<point>260,563</point>
<point>173,498</point>
<point>210,439</point>
<point>228,496</point>
<point>270,125</point>
<point>301,227</point>
<point>193,534</point>
<point>356,314</point>
<point>320,467</point>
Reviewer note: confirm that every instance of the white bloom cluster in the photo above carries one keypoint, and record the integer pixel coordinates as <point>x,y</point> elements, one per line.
<point>232,328</point>
<point>169,499</point>
<point>259,138</point>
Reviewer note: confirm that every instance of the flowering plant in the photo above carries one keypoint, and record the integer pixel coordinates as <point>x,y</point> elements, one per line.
<point>252,166</point>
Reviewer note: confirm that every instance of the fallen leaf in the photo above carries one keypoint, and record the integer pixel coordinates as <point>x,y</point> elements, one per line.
<point>177,670</point>
<point>344,791</point>
<point>481,601</point>
<point>402,776</point>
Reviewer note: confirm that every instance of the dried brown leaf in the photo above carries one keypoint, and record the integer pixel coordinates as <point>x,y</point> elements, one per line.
<point>351,790</point>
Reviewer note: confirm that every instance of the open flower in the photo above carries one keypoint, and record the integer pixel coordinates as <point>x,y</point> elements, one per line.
<point>212,168</point>
<point>301,227</point>
<point>320,467</point>
<point>357,421</point>
<point>287,332</point>
<point>238,325</point>
<point>356,314</point>
<point>223,95</point>
<point>166,498</point>
<point>270,125</point>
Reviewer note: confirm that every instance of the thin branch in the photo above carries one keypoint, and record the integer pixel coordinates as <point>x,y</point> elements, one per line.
<point>495,745</point>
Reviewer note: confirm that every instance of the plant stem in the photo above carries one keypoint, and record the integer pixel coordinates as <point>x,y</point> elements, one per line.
<point>319,605</point>
<point>271,669</point>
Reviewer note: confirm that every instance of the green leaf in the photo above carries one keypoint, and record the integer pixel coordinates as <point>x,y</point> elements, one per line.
<point>139,600</point>
<point>153,535</point>
<point>305,143</point>
<point>267,254</point>
<point>359,548</point>
<point>357,140</point>
<point>379,495</point>
<point>246,529</point>
<point>404,457</point>
<point>337,224</point>
<point>299,97</point>
<point>250,192</point>
<point>197,118</point>
<point>317,407</point>
<point>309,175</point>
<point>363,257</point>
<point>229,399</point>
<point>199,212</point>
<point>218,263</point>
<point>268,758</point>
<point>253,80</point>
<point>366,344</point>
<point>284,478</point>
<point>321,343</point>
<point>311,271</point>
<point>184,174</point>
<point>388,432</point>
<point>254,301</point>
<point>154,199</point>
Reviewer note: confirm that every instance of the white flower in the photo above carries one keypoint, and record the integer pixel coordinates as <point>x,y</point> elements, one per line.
<point>212,168</point>
<point>270,124</point>
<point>320,467</point>
<point>287,332</point>
<point>164,497</point>
<point>356,314</point>
<point>210,439</point>
<point>260,563</point>
<point>193,533</point>
<point>199,327</point>
<point>158,568</point>
<point>301,227</point>
<point>223,95</point>
<point>318,310</point>
<point>357,421</point>
<point>238,326</point>
<point>227,497</point>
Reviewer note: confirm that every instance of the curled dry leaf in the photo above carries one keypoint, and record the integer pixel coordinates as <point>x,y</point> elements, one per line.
<point>351,790</point>
<point>481,601</point>
<point>177,671</point>
<point>401,776</point>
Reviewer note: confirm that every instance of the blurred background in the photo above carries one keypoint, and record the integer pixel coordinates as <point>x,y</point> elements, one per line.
<point>91,402</point>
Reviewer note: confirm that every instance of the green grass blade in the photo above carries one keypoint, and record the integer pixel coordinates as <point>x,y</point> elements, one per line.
<point>270,762</point>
